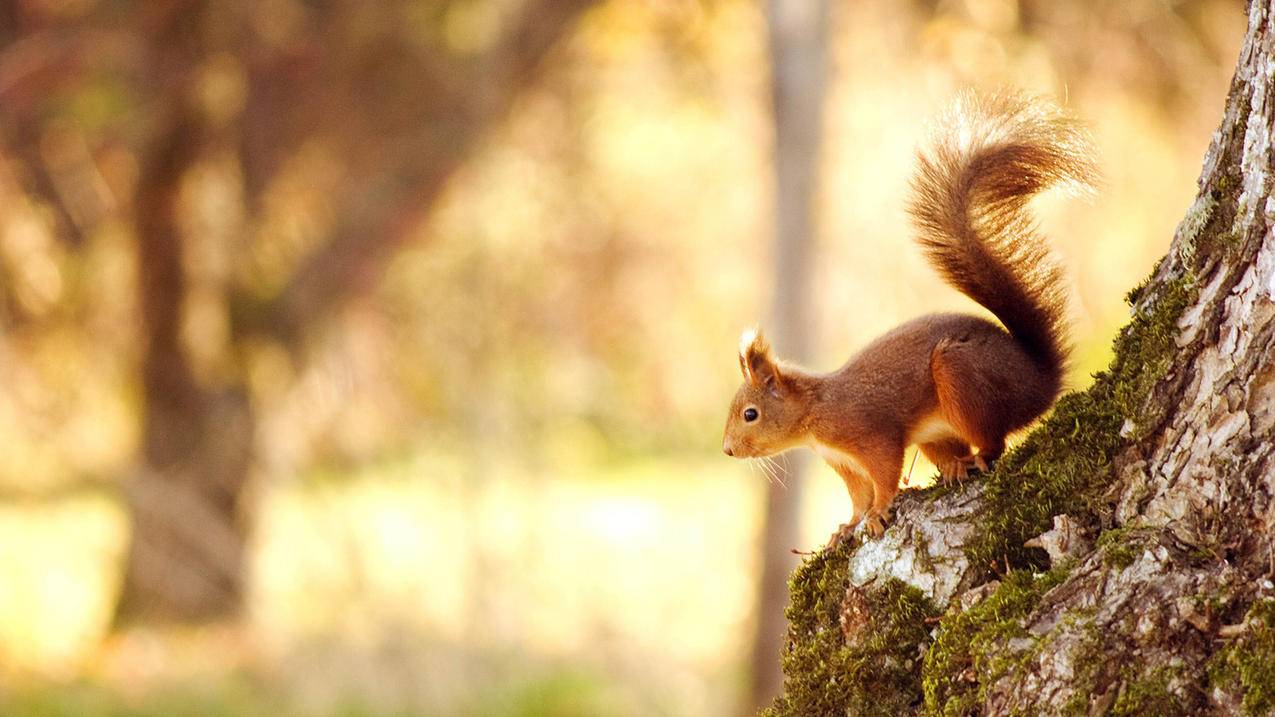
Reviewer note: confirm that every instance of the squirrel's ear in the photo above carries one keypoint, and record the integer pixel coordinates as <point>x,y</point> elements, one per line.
<point>755,361</point>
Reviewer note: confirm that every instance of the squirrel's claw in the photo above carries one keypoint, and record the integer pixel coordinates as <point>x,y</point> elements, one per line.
<point>960,468</point>
<point>842,533</point>
<point>874,524</point>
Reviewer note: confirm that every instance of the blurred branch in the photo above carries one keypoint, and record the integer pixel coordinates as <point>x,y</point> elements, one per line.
<point>22,144</point>
<point>40,60</point>
<point>382,215</point>
<point>45,59</point>
<point>30,69</point>
<point>314,86</point>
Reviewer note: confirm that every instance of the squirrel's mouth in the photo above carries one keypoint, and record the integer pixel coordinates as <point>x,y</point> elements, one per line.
<point>740,449</point>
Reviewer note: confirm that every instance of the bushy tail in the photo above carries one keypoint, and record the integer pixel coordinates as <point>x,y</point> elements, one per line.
<point>990,155</point>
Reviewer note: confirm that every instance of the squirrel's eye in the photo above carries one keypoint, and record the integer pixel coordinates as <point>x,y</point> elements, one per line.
<point>750,414</point>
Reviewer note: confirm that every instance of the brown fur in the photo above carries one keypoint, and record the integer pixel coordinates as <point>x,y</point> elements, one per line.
<point>952,383</point>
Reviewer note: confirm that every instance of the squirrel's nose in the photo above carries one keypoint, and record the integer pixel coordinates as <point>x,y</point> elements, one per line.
<point>727,449</point>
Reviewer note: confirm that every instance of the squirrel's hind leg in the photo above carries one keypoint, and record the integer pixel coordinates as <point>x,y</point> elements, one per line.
<point>951,456</point>
<point>968,399</point>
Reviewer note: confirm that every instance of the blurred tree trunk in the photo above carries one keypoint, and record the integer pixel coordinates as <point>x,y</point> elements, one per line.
<point>186,555</point>
<point>188,504</point>
<point>798,47</point>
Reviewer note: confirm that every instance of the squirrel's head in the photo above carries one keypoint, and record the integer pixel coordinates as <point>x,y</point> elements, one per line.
<point>769,412</point>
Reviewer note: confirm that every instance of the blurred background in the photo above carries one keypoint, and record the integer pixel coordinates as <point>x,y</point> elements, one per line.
<point>372,358</point>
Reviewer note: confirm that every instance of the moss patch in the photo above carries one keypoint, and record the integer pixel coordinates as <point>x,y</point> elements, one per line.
<point>1121,546</point>
<point>1147,695</point>
<point>875,671</point>
<point>1248,663</point>
<point>1087,661</point>
<point>1066,465</point>
<point>963,659</point>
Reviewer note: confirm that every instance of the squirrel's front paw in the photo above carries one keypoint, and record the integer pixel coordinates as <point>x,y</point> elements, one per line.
<point>874,525</point>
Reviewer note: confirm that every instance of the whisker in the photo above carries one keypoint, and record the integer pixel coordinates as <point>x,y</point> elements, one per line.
<point>778,476</point>
<point>769,468</point>
<point>761,465</point>
<point>779,472</point>
<point>787,468</point>
<point>753,464</point>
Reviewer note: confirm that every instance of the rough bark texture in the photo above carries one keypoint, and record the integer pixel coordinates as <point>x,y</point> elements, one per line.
<point>1147,502</point>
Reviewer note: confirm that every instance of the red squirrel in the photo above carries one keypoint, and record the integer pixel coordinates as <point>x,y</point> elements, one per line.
<point>954,384</point>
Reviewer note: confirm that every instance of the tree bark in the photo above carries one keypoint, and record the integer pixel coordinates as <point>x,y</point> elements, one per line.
<point>798,60</point>
<point>1120,561</point>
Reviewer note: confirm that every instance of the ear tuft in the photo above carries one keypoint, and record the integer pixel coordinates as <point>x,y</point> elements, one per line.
<point>754,355</point>
<point>752,338</point>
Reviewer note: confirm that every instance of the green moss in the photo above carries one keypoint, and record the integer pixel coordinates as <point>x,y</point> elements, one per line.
<point>1248,663</point>
<point>1135,294</point>
<point>1147,695</point>
<point>965,658</point>
<point>1121,546</point>
<point>872,673</point>
<point>1120,556</point>
<point>1215,604</point>
<point>1066,465</point>
<point>1192,226</point>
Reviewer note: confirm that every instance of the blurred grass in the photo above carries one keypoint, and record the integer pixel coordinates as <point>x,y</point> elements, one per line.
<point>433,584</point>
<point>564,694</point>
<point>416,586</point>
<point>87,700</point>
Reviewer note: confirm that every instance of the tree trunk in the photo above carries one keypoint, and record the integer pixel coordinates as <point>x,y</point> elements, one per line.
<point>1145,503</point>
<point>798,49</point>
<point>185,559</point>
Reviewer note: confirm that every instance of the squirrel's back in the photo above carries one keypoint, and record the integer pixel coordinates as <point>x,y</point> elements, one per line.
<point>990,155</point>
